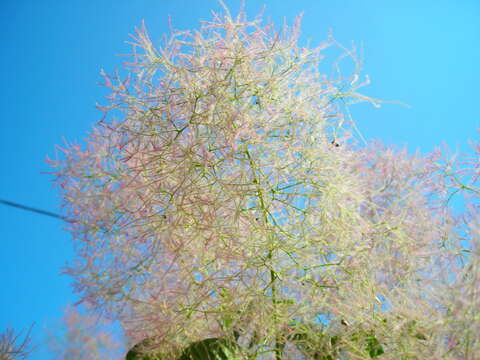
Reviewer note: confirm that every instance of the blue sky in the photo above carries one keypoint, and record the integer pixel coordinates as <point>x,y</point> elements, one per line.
<point>424,53</point>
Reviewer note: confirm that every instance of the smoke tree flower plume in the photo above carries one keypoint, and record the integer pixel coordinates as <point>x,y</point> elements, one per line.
<point>15,345</point>
<point>225,195</point>
<point>82,337</point>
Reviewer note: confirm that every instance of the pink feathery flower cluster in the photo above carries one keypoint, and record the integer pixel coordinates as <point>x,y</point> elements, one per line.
<point>82,337</point>
<point>15,345</point>
<point>224,195</point>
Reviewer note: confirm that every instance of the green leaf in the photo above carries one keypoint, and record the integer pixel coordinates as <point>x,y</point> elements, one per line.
<point>211,349</point>
<point>374,347</point>
<point>371,343</point>
<point>137,353</point>
<point>207,349</point>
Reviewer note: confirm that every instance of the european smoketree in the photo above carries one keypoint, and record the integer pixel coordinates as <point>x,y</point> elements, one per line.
<point>14,345</point>
<point>226,195</point>
<point>82,336</point>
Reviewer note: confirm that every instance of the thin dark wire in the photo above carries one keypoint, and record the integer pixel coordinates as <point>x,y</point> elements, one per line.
<point>28,208</point>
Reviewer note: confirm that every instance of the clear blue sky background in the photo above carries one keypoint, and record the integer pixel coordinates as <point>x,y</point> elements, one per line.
<point>425,53</point>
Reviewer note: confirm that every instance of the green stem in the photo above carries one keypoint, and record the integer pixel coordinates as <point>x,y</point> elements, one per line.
<point>273,275</point>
